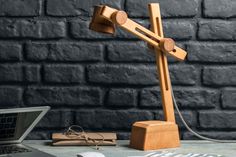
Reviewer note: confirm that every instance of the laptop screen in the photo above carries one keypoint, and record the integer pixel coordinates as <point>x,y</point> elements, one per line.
<point>14,125</point>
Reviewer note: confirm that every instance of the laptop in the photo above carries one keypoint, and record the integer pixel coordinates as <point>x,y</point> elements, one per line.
<point>15,125</point>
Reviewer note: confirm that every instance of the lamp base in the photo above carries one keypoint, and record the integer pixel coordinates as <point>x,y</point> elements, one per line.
<point>153,135</point>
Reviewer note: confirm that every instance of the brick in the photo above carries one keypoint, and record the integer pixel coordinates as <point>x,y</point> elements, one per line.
<point>10,96</point>
<point>122,98</point>
<point>183,74</point>
<point>150,97</point>
<point>64,8</point>
<point>219,8</point>
<point>32,73</point>
<point>186,98</point>
<point>217,30</point>
<point>10,51</point>
<point>63,96</point>
<point>123,135</point>
<point>27,28</point>
<point>189,117</point>
<point>222,76</point>
<point>217,120</point>
<point>63,73</point>
<point>228,98</point>
<point>40,135</point>
<point>122,74</point>
<point>179,30</point>
<point>53,29</point>
<point>76,52</point>
<point>8,28</point>
<point>37,51</point>
<point>169,8</point>
<point>11,73</point>
<point>77,7</point>
<point>226,135</point>
<point>186,135</point>
<point>130,52</point>
<point>215,53</point>
<point>31,29</point>
<point>19,8</point>
<point>197,98</point>
<point>72,52</point>
<point>108,119</point>
<point>56,119</point>
<point>138,74</point>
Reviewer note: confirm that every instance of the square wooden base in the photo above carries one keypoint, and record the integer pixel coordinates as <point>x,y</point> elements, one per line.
<point>153,135</point>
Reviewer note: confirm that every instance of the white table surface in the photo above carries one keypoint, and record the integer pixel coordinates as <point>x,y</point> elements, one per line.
<point>122,149</point>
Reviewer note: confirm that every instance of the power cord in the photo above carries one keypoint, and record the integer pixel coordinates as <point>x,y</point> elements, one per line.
<point>192,131</point>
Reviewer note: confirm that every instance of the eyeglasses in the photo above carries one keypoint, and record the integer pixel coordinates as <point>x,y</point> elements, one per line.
<point>77,132</point>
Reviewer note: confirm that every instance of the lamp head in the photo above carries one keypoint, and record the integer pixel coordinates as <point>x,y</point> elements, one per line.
<point>99,23</point>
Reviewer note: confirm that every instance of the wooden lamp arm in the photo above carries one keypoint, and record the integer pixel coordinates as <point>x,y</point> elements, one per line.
<point>162,64</point>
<point>120,18</point>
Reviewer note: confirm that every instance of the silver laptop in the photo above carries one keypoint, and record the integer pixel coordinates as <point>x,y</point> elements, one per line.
<point>15,125</point>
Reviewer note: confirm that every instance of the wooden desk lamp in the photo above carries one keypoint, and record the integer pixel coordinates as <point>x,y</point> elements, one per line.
<point>147,135</point>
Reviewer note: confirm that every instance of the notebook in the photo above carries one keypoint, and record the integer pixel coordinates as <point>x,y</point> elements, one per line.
<point>175,154</point>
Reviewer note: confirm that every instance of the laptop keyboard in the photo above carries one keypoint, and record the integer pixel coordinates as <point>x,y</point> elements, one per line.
<point>12,149</point>
<point>7,125</point>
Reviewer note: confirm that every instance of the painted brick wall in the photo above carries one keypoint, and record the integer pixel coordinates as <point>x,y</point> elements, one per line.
<point>48,56</point>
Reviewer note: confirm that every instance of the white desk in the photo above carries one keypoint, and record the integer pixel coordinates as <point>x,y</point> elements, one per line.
<point>122,150</point>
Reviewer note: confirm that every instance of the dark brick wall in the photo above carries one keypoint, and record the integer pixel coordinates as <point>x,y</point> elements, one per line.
<point>48,56</point>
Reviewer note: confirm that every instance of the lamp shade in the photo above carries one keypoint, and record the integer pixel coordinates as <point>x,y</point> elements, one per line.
<point>99,23</point>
